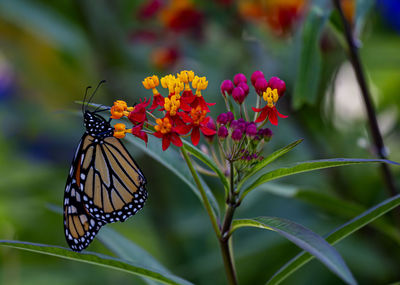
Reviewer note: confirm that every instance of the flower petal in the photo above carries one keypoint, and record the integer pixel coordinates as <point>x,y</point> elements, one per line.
<point>280,115</point>
<point>273,117</point>
<point>182,129</point>
<point>262,116</point>
<point>195,135</point>
<point>166,141</point>
<point>176,140</point>
<point>207,131</point>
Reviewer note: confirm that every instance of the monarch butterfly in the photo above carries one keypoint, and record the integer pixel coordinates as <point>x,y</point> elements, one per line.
<point>104,185</point>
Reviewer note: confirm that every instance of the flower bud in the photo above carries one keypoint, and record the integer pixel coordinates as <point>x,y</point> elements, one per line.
<point>237,135</point>
<point>245,88</point>
<point>240,77</point>
<point>211,125</point>
<point>231,117</point>
<point>222,119</point>
<point>261,85</point>
<point>265,134</point>
<point>256,74</point>
<point>238,95</point>
<point>251,130</point>
<point>276,83</point>
<point>226,87</point>
<point>222,132</point>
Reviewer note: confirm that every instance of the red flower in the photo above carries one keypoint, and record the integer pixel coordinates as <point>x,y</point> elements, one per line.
<point>137,131</point>
<point>197,122</point>
<point>271,113</point>
<point>158,100</point>
<point>200,102</point>
<point>167,133</point>
<point>138,115</point>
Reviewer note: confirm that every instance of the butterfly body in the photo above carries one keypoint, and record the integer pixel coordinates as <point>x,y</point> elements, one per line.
<point>104,184</point>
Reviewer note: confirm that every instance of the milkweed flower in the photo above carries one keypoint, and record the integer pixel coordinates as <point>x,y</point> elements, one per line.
<point>138,112</point>
<point>196,122</point>
<point>275,90</point>
<point>184,110</point>
<point>167,133</point>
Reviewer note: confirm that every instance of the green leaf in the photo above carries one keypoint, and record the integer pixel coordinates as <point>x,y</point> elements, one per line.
<point>96,259</point>
<point>330,203</point>
<point>122,247</point>
<point>275,155</point>
<point>171,159</point>
<point>336,236</point>
<point>305,239</point>
<point>309,69</point>
<point>208,161</point>
<point>309,166</point>
<point>128,250</point>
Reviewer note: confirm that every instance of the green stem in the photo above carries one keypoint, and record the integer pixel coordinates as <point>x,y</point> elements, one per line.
<point>225,245</point>
<point>206,203</point>
<point>257,106</point>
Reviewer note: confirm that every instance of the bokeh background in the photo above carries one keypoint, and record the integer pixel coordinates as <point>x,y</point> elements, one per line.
<point>51,50</point>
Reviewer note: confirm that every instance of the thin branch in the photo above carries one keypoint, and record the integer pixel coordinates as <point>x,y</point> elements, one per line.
<point>373,123</point>
<point>206,203</point>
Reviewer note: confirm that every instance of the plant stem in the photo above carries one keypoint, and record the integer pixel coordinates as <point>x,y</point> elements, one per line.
<point>226,226</point>
<point>257,106</point>
<point>373,123</point>
<point>206,203</point>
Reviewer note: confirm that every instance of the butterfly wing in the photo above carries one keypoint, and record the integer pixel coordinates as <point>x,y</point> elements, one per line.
<point>79,226</point>
<point>113,186</point>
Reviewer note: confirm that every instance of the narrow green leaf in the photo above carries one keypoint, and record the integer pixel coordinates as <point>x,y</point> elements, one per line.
<point>309,69</point>
<point>128,250</point>
<point>305,239</point>
<point>122,247</point>
<point>208,161</point>
<point>275,155</point>
<point>331,204</point>
<point>96,259</point>
<point>337,235</point>
<point>309,166</point>
<point>171,159</point>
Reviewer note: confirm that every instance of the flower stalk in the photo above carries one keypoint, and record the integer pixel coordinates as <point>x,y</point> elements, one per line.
<point>380,148</point>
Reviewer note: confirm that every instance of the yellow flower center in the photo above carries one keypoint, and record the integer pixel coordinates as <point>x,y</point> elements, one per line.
<point>271,96</point>
<point>186,76</point>
<point>120,130</point>
<point>163,126</point>
<point>151,82</point>
<point>199,83</point>
<point>198,115</point>
<point>172,105</point>
<point>120,109</point>
<point>174,85</point>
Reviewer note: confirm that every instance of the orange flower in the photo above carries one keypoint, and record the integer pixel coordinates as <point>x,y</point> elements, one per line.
<point>166,132</point>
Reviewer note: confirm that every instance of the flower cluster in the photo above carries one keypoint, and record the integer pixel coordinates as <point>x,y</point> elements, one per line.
<point>184,112</point>
<point>240,136</point>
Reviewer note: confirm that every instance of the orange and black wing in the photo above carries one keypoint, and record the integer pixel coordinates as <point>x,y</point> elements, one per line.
<point>80,227</point>
<point>111,183</point>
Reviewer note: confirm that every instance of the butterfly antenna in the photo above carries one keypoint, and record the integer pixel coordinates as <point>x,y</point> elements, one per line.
<point>94,92</point>
<point>84,99</point>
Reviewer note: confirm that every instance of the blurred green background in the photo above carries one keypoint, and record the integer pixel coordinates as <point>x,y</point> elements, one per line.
<point>51,50</point>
